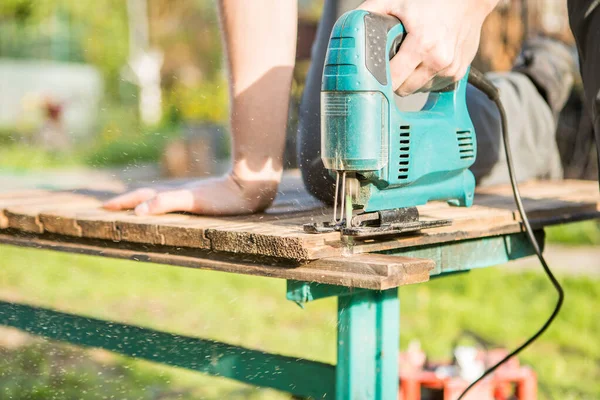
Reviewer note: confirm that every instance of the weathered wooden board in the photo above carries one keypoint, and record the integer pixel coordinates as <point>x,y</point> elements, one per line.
<point>278,232</point>
<point>367,271</point>
<point>26,217</point>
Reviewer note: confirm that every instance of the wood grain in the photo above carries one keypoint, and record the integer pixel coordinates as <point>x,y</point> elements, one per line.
<point>278,232</point>
<point>367,271</point>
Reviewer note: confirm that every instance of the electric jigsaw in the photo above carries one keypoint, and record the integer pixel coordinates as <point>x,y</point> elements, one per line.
<point>386,161</point>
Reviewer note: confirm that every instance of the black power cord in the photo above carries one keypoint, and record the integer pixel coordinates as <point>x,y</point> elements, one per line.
<point>478,80</point>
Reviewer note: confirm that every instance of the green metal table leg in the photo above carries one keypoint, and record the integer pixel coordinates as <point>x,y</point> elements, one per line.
<point>368,345</point>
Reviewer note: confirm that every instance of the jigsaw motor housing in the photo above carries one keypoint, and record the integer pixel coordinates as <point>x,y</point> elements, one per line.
<point>400,158</point>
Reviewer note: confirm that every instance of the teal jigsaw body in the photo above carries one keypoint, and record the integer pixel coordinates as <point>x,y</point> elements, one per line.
<point>401,159</point>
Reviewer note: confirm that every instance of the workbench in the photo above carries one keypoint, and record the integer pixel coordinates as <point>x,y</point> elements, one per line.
<point>363,275</point>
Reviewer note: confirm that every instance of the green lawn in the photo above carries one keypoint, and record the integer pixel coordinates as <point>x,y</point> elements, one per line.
<point>503,307</point>
<point>24,157</point>
<point>119,141</point>
<point>584,233</point>
<point>144,147</point>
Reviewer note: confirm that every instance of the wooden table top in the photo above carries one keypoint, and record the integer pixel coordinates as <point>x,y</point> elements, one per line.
<point>273,243</point>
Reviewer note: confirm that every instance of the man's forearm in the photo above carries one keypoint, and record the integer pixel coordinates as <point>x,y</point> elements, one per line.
<point>260,44</point>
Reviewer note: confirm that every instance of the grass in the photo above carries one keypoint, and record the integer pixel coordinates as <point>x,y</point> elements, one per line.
<point>586,233</point>
<point>121,140</point>
<point>24,157</point>
<point>144,147</point>
<point>48,371</point>
<point>500,306</point>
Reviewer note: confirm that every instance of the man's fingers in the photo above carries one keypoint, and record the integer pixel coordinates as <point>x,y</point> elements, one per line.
<point>176,200</point>
<point>436,70</point>
<point>437,83</point>
<point>379,7</point>
<point>129,200</point>
<point>452,73</point>
<point>419,80</point>
<point>409,55</point>
<point>405,62</point>
<point>455,72</point>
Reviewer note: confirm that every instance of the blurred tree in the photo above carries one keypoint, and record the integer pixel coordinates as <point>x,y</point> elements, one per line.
<point>17,9</point>
<point>188,32</point>
<point>145,63</point>
<point>98,28</point>
<point>185,31</point>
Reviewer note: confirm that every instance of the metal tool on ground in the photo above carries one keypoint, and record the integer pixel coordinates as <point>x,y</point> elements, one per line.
<point>387,161</point>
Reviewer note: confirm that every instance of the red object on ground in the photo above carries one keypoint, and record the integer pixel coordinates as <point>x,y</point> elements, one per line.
<point>509,380</point>
<point>53,111</point>
<point>451,387</point>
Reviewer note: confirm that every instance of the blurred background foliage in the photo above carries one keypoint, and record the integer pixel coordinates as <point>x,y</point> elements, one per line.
<point>193,82</point>
<point>66,30</point>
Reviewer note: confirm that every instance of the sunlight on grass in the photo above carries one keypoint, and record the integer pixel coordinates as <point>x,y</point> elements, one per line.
<point>500,306</point>
<point>577,233</point>
<point>24,157</point>
<point>121,140</point>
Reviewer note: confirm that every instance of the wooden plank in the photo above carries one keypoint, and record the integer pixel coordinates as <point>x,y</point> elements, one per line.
<point>280,234</point>
<point>270,240</point>
<point>490,218</point>
<point>144,229</point>
<point>22,194</point>
<point>26,217</point>
<point>92,222</point>
<point>435,236</point>
<point>395,270</point>
<point>544,200</point>
<point>190,232</point>
<point>458,215</point>
<point>19,198</point>
<point>99,224</point>
<point>376,272</point>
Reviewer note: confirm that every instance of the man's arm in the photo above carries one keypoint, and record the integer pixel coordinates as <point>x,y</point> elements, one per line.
<point>259,38</point>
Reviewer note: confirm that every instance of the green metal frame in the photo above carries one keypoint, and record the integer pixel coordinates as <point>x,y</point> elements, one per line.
<point>368,332</point>
<point>288,374</point>
<point>368,345</point>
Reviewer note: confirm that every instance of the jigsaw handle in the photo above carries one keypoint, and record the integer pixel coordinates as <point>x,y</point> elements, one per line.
<point>384,32</point>
<point>384,35</point>
<point>358,58</point>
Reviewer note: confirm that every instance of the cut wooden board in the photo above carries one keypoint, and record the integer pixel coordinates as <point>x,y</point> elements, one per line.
<point>278,232</point>
<point>367,271</point>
